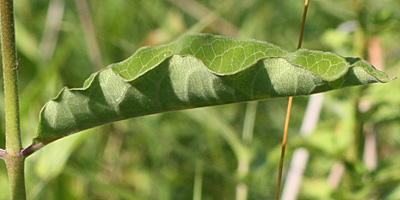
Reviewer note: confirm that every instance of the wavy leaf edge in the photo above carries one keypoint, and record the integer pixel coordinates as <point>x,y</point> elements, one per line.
<point>358,63</point>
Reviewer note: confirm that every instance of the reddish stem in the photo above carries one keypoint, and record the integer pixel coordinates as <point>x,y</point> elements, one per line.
<point>289,108</point>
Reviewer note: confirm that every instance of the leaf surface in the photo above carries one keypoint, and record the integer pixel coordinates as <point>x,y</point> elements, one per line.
<point>196,71</point>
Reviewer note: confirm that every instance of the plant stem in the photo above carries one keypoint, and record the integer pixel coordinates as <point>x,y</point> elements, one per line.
<point>289,108</point>
<point>13,157</point>
<point>15,168</point>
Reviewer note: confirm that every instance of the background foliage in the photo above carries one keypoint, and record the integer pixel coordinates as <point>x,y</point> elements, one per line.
<point>166,156</point>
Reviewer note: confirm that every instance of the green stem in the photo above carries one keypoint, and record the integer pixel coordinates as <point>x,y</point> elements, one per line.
<point>15,168</point>
<point>13,157</point>
<point>355,152</point>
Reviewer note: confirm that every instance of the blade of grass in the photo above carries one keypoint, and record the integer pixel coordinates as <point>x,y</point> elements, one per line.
<point>198,181</point>
<point>54,19</point>
<point>210,117</point>
<point>249,121</point>
<point>199,12</point>
<point>90,34</point>
<point>289,109</point>
<point>244,162</point>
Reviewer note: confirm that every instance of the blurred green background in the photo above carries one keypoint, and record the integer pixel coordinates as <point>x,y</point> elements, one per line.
<point>196,154</point>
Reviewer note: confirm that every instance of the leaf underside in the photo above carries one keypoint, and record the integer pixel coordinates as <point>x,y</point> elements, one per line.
<point>196,71</point>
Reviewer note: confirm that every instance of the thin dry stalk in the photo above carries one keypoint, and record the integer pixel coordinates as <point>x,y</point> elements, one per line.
<point>301,155</point>
<point>289,109</point>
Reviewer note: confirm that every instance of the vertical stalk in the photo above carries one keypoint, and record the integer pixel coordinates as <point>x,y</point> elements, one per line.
<point>198,181</point>
<point>289,108</point>
<point>244,161</point>
<point>355,152</point>
<point>13,157</point>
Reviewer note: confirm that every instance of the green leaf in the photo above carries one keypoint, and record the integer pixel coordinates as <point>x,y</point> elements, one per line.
<point>197,71</point>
